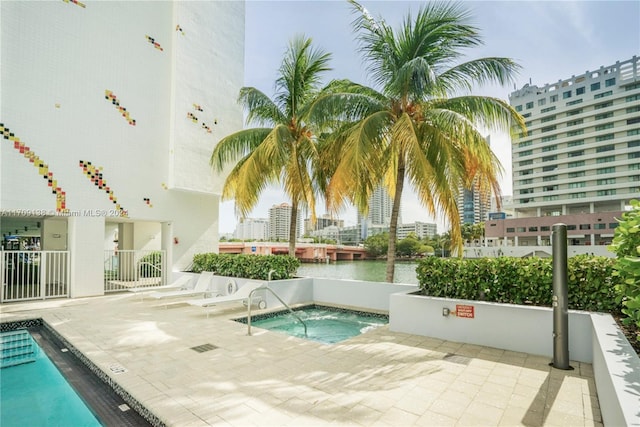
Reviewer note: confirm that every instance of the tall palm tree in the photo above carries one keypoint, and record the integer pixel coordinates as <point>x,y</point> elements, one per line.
<point>283,148</point>
<point>419,127</point>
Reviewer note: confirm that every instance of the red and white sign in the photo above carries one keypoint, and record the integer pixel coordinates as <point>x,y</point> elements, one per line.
<point>465,311</point>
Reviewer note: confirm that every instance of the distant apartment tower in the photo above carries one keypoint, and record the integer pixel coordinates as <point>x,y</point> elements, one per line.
<point>580,160</point>
<point>252,229</point>
<point>420,229</point>
<point>473,205</point>
<point>380,206</point>
<point>322,222</point>
<point>280,220</point>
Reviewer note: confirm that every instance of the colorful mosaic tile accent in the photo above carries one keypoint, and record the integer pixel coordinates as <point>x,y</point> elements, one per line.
<point>154,43</point>
<point>147,201</point>
<point>110,96</point>
<point>95,176</point>
<point>43,168</point>
<point>179,28</point>
<point>76,2</point>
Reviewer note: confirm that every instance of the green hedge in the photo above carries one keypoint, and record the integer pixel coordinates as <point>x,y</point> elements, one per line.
<point>521,281</point>
<point>247,266</point>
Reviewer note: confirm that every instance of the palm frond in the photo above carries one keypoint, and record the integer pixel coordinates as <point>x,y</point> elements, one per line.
<point>261,110</point>
<point>237,145</point>
<point>479,71</point>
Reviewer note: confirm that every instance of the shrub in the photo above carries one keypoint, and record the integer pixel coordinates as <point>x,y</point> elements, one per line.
<point>520,280</point>
<point>247,266</point>
<point>626,245</point>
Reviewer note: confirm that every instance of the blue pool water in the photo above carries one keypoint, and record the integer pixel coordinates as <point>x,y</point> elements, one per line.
<point>36,394</point>
<point>325,325</point>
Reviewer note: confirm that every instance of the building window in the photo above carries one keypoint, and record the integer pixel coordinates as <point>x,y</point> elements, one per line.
<point>549,138</point>
<point>610,192</point>
<point>526,181</point>
<point>604,126</point>
<point>521,229</point>
<point>571,227</point>
<point>632,144</point>
<point>577,184</point>
<point>549,168</point>
<point>635,155</point>
<point>603,94</point>
<point>549,188</point>
<point>580,90</point>
<point>603,105</point>
<point>595,86</point>
<point>533,229</point>
<point>575,132</point>
<point>606,181</point>
<point>548,118</point>
<point>633,132</point>
<point>542,101</point>
<point>550,198</point>
<point>576,153</point>
<point>526,172</point>
<point>511,230</point>
<point>525,163</point>
<point>633,109</point>
<point>575,122</point>
<point>574,102</point>
<point>635,178</point>
<point>545,228</point>
<point>549,148</point>
<point>554,98</point>
<point>604,137</point>
<point>575,143</point>
<point>585,226</point>
<point>610,82</point>
<point>550,178</point>
<point>574,112</point>
<point>599,226</point>
<point>549,158</point>
<point>524,144</point>
<point>548,128</point>
<point>632,98</point>
<point>566,95</point>
<point>546,110</point>
<point>526,115</point>
<point>635,166</point>
<point>526,191</point>
<point>579,195</point>
<point>632,86</point>
<point>613,225</point>
<point>602,171</point>
<point>604,115</point>
<point>606,159</point>
<point>576,174</point>
<point>529,105</point>
<point>518,108</point>
<point>609,147</point>
<point>525,153</point>
<point>576,164</point>
<point>633,121</point>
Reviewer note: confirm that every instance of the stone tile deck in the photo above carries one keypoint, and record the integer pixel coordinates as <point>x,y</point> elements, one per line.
<point>381,378</point>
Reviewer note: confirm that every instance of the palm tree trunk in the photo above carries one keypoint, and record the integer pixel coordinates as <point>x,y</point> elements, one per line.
<point>293,225</point>
<point>393,226</point>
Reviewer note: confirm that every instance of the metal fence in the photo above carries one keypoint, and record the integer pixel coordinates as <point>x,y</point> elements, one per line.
<point>133,269</point>
<point>29,275</point>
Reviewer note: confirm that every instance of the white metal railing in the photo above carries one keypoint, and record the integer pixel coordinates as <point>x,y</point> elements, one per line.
<point>28,275</point>
<point>127,269</point>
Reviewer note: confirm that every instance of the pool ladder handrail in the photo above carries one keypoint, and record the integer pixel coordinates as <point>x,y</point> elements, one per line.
<point>266,287</point>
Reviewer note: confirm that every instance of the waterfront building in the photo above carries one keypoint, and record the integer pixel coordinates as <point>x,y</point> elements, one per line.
<point>422,230</point>
<point>252,229</point>
<point>280,221</point>
<point>322,222</point>
<point>579,162</point>
<point>110,111</point>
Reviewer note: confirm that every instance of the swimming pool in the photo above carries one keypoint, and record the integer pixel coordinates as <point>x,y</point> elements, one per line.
<point>324,324</point>
<point>35,393</point>
<point>104,397</point>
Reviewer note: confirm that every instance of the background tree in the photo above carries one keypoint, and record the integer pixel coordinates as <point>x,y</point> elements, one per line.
<point>377,244</point>
<point>409,246</point>
<point>416,127</point>
<point>283,150</point>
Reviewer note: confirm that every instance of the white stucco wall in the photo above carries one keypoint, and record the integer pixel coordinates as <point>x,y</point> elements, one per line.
<point>58,59</point>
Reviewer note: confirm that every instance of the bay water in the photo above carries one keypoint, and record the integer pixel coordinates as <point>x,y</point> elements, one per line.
<point>373,271</point>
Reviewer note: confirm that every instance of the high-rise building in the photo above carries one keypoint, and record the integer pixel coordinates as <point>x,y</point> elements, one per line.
<point>280,220</point>
<point>252,229</point>
<point>473,205</point>
<point>322,222</point>
<point>380,206</point>
<point>580,161</point>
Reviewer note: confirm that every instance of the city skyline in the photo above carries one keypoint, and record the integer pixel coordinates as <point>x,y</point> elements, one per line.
<point>550,40</point>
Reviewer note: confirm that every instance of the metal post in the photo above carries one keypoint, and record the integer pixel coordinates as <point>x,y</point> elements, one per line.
<point>560,298</point>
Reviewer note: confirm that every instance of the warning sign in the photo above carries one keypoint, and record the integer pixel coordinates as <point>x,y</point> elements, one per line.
<point>465,311</point>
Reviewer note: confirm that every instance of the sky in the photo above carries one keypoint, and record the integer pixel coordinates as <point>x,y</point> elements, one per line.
<point>550,40</point>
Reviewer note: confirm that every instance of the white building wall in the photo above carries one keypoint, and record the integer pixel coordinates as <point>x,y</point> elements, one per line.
<point>58,62</point>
